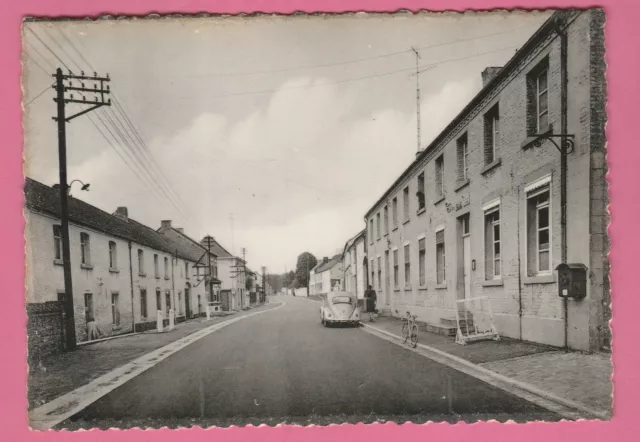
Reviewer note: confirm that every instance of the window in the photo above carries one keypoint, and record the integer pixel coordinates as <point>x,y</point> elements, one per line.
<point>378,225</point>
<point>115,308</point>
<point>440,176</point>
<point>420,193</point>
<point>407,266</point>
<point>342,299</point>
<point>186,269</point>
<point>440,258</point>
<point>141,262</point>
<point>538,230</point>
<point>158,300</point>
<point>394,212</point>
<point>179,303</point>
<point>463,159</point>
<point>85,257</point>
<point>537,99</point>
<point>156,267</point>
<point>405,209</point>
<point>396,281</point>
<point>493,252</point>
<point>113,256</point>
<point>57,243</point>
<point>143,303</point>
<point>166,268</point>
<point>422,257</point>
<point>371,230</point>
<point>379,274</point>
<point>491,135</point>
<point>386,220</point>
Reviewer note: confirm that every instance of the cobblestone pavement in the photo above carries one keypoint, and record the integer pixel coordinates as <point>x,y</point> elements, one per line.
<point>583,378</point>
<point>59,374</point>
<point>576,376</point>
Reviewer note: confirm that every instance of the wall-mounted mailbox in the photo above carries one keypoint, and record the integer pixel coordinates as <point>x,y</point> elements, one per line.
<point>572,281</point>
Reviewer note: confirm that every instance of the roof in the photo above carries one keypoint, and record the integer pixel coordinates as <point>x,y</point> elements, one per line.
<point>352,241</point>
<point>45,199</point>
<point>544,30</point>
<point>189,246</point>
<point>216,248</point>
<point>324,266</point>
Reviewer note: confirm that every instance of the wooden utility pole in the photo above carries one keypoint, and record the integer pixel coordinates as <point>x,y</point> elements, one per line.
<point>61,100</point>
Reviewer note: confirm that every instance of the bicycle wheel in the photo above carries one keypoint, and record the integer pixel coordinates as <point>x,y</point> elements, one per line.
<point>405,332</point>
<point>414,335</point>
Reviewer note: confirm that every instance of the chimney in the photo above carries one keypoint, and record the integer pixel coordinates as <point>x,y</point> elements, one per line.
<point>419,152</point>
<point>165,224</point>
<point>122,213</point>
<point>325,259</point>
<point>180,229</point>
<point>489,73</point>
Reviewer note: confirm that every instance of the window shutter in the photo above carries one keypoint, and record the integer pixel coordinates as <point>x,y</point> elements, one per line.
<point>440,237</point>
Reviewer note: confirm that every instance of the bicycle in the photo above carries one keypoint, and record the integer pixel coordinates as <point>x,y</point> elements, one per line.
<point>409,329</point>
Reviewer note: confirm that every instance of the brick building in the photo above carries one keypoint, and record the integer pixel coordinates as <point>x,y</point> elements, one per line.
<point>479,210</point>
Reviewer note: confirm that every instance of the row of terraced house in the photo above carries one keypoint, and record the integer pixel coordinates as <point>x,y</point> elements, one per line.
<point>125,275</point>
<point>489,209</point>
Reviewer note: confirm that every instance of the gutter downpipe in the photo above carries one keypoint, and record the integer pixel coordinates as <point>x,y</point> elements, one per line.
<point>133,313</point>
<point>561,30</point>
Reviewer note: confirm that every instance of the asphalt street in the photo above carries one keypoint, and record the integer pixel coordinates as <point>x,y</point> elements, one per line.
<point>283,366</point>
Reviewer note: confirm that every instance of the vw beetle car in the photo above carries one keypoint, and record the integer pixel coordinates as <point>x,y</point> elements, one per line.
<point>340,308</point>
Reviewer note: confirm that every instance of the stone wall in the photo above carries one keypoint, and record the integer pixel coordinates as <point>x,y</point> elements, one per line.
<point>45,329</point>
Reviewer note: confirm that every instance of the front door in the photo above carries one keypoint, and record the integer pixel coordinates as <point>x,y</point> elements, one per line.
<point>387,283</point>
<point>187,301</point>
<point>466,252</point>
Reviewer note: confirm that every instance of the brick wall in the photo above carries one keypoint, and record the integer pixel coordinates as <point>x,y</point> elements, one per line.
<point>45,330</point>
<point>526,305</point>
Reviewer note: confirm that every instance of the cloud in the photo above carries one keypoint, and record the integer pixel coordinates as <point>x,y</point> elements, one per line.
<point>298,174</point>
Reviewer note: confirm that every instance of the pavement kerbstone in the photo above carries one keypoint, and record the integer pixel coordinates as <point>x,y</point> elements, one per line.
<point>57,375</point>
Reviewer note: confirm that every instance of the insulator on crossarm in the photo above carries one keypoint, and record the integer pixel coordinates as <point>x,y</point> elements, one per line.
<point>82,73</point>
<point>72,96</point>
<point>84,98</point>
<point>107,75</point>
<point>82,84</point>
<point>95,86</point>
<point>70,73</point>
<point>96,98</point>
<point>95,74</point>
<point>107,87</point>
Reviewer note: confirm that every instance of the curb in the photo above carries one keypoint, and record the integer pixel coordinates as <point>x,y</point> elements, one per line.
<point>63,407</point>
<point>481,372</point>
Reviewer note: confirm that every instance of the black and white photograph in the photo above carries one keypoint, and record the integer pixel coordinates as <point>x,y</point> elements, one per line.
<point>316,219</point>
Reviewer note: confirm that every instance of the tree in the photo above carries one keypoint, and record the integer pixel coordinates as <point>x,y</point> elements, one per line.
<point>306,262</point>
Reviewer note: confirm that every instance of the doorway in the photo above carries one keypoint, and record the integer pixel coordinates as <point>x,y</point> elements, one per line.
<point>464,279</point>
<point>187,301</point>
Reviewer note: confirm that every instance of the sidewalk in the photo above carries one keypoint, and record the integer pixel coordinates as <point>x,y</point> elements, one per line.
<point>59,374</point>
<point>574,376</point>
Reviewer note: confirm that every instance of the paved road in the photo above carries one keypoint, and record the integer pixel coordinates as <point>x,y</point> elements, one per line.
<point>283,366</point>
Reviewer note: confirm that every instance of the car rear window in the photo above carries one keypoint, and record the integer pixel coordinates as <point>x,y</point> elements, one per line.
<point>341,300</point>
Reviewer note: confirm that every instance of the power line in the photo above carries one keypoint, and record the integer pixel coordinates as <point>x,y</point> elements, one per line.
<point>357,60</point>
<point>140,163</point>
<point>123,113</point>
<point>348,80</point>
<point>38,96</point>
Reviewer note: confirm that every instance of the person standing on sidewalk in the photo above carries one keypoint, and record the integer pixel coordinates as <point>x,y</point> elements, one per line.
<point>370,298</point>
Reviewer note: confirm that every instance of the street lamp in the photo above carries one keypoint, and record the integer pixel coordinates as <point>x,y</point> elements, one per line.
<point>84,186</point>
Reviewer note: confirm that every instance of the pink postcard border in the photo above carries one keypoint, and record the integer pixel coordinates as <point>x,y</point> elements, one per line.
<point>622,34</point>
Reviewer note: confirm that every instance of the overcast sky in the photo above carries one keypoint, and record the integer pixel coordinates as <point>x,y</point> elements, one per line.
<point>295,126</point>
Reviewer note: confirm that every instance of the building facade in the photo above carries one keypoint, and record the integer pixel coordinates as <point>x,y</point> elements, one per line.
<point>479,211</point>
<point>326,276</point>
<point>353,259</point>
<point>123,272</point>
